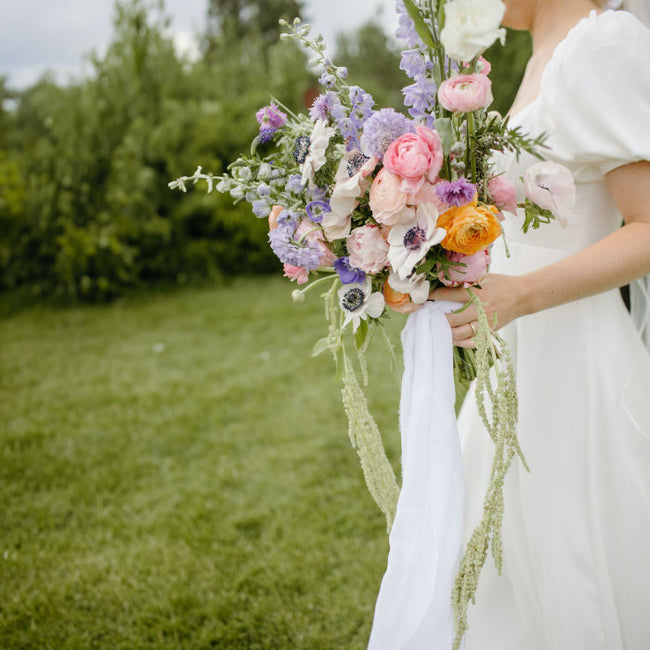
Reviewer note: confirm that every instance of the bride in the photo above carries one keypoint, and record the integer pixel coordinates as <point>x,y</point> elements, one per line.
<point>577,528</point>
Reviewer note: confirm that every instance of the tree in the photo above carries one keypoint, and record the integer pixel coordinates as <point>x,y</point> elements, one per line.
<point>230,21</point>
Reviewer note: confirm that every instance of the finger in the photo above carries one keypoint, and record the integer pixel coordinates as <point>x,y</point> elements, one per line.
<point>448,293</point>
<point>464,317</point>
<point>463,332</point>
<point>467,343</point>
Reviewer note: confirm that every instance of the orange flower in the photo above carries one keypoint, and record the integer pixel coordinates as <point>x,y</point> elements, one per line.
<point>397,301</point>
<point>470,228</point>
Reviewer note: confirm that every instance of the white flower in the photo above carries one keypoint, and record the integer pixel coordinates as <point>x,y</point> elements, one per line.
<point>315,159</point>
<point>552,187</point>
<point>409,242</point>
<point>417,286</point>
<point>471,26</point>
<point>357,301</point>
<point>351,181</point>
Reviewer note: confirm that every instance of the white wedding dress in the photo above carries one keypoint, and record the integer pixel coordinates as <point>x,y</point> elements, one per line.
<point>576,531</point>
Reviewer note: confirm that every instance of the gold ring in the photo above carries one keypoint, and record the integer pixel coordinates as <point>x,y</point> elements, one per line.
<point>473,329</point>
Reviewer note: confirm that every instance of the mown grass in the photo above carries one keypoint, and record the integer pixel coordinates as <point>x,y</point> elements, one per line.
<point>176,473</point>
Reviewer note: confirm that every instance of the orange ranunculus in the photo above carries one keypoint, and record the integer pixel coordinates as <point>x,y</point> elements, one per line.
<point>397,301</point>
<point>470,228</point>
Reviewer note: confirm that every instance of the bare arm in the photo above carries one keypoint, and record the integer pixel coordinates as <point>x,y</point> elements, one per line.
<point>612,262</point>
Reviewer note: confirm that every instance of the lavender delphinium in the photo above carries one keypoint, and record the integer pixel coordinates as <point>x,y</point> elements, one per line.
<point>380,129</point>
<point>420,97</point>
<point>348,274</point>
<point>322,107</point>
<point>406,27</point>
<point>456,193</point>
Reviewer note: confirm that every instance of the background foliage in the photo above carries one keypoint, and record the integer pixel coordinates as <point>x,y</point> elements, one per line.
<point>84,206</point>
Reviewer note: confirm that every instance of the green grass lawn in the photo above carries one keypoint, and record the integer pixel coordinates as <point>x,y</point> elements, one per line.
<point>176,473</point>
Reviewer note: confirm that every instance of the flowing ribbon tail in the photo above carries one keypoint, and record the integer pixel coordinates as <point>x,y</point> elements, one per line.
<point>414,608</point>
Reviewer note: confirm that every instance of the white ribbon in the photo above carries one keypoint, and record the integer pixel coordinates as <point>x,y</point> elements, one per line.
<point>413,609</point>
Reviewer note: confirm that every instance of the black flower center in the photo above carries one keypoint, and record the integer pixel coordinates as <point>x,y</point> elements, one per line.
<point>352,299</point>
<point>301,149</point>
<point>414,238</point>
<point>355,163</point>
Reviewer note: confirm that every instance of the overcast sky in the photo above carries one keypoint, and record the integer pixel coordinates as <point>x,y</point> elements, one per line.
<point>39,35</point>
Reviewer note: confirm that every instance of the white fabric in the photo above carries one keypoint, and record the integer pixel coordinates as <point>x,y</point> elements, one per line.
<point>413,608</point>
<point>640,8</point>
<point>577,528</point>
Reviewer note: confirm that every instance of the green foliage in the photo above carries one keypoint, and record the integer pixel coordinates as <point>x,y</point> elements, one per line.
<point>508,65</point>
<point>170,480</point>
<point>372,59</point>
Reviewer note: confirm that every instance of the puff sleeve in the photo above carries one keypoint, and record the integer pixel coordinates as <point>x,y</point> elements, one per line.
<point>595,97</point>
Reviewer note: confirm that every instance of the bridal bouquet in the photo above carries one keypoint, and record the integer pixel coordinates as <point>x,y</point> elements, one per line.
<point>379,208</point>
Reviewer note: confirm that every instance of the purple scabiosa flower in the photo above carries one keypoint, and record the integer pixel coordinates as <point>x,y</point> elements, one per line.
<point>380,129</point>
<point>270,119</point>
<point>348,274</point>
<point>288,219</point>
<point>294,184</point>
<point>290,251</point>
<point>456,193</point>
<point>322,107</point>
<point>316,209</point>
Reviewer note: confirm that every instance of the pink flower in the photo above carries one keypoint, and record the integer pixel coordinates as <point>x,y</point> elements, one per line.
<point>428,194</point>
<point>314,236</point>
<point>415,157</point>
<point>296,273</point>
<point>503,193</point>
<point>367,249</point>
<point>465,93</point>
<point>386,199</point>
<point>551,186</point>
<point>483,66</point>
<point>475,269</point>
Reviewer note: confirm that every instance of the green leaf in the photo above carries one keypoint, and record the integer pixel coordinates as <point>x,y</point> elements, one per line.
<point>420,26</point>
<point>361,334</point>
<point>443,127</point>
<point>320,346</point>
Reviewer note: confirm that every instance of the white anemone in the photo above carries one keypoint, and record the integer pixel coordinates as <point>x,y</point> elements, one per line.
<point>319,141</point>
<point>417,286</point>
<point>358,302</point>
<point>409,242</point>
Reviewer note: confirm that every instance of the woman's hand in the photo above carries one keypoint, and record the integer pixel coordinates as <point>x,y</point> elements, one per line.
<point>503,297</point>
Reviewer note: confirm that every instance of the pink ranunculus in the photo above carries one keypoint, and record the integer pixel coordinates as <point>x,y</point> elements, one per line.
<point>503,193</point>
<point>367,249</point>
<point>483,66</point>
<point>314,236</point>
<point>415,157</point>
<point>464,93</point>
<point>297,273</point>
<point>465,276</point>
<point>386,199</point>
<point>552,187</point>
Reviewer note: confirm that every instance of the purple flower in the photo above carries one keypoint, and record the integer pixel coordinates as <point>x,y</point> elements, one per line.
<point>290,251</point>
<point>328,80</point>
<point>261,208</point>
<point>381,129</point>
<point>322,107</point>
<point>348,274</point>
<point>420,96</point>
<point>288,219</point>
<point>406,28</point>
<point>414,63</point>
<point>294,184</point>
<point>317,193</point>
<point>456,193</point>
<point>316,209</point>
<point>270,119</point>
